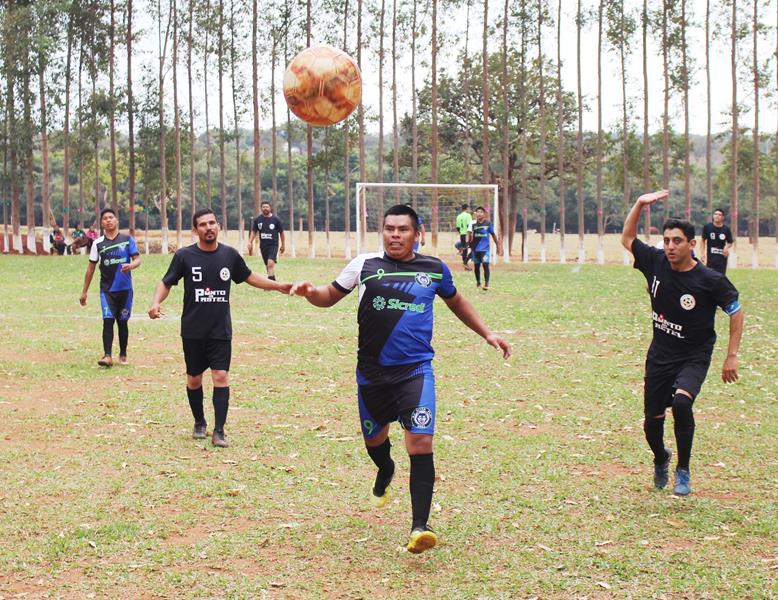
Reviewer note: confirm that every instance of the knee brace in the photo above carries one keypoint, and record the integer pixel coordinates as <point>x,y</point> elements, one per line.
<point>682,411</point>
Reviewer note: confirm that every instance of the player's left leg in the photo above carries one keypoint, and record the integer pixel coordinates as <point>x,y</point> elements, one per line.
<point>109,310</point>
<point>487,272</point>
<point>376,411</point>
<point>121,323</point>
<point>687,387</point>
<point>219,357</point>
<point>418,421</point>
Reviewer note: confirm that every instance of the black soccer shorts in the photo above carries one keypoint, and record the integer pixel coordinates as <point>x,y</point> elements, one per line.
<point>269,253</point>
<point>662,381</point>
<point>200,355</point>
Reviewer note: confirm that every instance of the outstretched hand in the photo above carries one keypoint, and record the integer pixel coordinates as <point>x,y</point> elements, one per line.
<point>285,288</point>
<point>301,288</point>
<point>652,197</point>
<point>500,344</point>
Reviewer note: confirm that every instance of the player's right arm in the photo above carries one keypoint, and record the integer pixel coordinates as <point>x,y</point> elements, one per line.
<point>162,291</point>
<point>90,271</point>
<point>630,231</point>
<point>703,243</point>
<point>252,237</point>
<point>322,296</point>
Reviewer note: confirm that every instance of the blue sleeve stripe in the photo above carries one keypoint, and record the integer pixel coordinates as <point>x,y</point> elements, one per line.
<point>732,308</point>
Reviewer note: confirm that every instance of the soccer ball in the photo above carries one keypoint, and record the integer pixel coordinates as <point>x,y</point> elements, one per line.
<point>322,85</point>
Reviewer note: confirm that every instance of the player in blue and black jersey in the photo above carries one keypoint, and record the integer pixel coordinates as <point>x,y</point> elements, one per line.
<point>684,296</point>
<point>117,254</point>
<point>480,230</point>
<point>394,374</point>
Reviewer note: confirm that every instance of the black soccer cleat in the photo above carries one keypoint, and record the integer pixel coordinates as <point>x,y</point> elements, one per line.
<point>662,471</point>
<point>217,439</point>
<point>381,494</point>
<point>199,432</point>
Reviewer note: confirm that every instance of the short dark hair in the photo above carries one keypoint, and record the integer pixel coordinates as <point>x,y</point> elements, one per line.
<point>465,205</point>
<point>265,202</point>
<point>685,226</point>
<point>404,209</point>
<point>107,209</point>
<point>480,208</point>
<point>200,213</point>
<point>721,210</point>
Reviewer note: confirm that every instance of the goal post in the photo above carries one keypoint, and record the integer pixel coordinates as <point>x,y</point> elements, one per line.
<point>437,204</point>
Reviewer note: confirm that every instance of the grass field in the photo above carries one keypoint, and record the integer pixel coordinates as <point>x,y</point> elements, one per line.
<point>544,477</point>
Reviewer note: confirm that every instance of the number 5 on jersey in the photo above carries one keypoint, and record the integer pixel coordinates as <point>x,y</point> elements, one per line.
<point>197,273</point>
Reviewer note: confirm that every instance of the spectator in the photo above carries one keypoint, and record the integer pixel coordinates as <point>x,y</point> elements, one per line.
<point>79,239</point>
<point>57,240</point>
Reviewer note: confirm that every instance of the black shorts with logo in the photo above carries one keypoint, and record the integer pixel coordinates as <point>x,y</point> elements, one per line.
<point>202,354</point>
<point>269,253</point>
<point>662,380</point>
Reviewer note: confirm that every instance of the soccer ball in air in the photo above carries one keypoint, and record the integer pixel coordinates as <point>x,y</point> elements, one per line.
<point>322,85</point>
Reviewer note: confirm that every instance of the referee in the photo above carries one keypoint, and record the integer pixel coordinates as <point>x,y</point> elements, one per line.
<point>208,268</point>
<point>684,295</point>
<point>395,380</point>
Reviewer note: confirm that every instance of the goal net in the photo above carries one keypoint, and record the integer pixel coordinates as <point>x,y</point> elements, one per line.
<point>437,204</point>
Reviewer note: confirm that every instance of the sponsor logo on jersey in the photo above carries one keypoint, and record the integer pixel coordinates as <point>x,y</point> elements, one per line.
<point>224,274</point>
<point>380,303</point>
<point>722,236</point>
<point>423,279</point>
<point>666,326</point>
<point>209,295</point>
<point>113,261</point>
<point>688,302</point>
<point>272,226</point>
<point>421,416</point>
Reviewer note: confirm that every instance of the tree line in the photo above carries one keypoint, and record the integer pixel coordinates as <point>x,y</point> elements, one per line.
<point>76,136</point>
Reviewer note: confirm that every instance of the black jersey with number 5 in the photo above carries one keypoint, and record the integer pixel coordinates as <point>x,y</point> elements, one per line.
<point>683,304</point>
<point>207,277</point>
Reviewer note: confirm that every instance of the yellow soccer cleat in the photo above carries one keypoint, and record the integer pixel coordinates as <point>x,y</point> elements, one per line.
<point>422,538</point>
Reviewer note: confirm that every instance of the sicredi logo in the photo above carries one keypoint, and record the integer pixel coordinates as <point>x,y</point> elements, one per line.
<point>380,303</point>
<point>209,295</point>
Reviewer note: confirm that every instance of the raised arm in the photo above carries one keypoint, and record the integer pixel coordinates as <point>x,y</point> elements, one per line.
<point>265,283</point>
<point>322,296</point>
<point>467,313</point>
<point>162,291</point>
<point>729,371</point>
<point>630,231</point>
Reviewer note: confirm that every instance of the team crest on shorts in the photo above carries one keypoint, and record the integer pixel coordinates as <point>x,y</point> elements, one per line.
<point>423,279</point>
<point>688,302</point>
<point>421,416</point>
<point>125,313</point>
<point>379,303</point>
<point>224,274</point>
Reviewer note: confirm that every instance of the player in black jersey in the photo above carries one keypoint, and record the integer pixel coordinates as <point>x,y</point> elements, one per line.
<point>117,254</point>
<point>684,296</point>
<point>395,380</point>
<point>270,230</point>
<point>716,241</point>
<point>208,268</point>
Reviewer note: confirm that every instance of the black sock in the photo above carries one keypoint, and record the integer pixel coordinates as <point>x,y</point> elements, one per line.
<point>655,431</point>
<point>381,456</point>
<point>271,277</point>
<point>422,482</point>
<point>683,424</point>
<point>124,336</point>
<point>486,274</point>
<point>196,404</point>
<point>107,336</point>
<point>221,402</point>
<point>477,272</point>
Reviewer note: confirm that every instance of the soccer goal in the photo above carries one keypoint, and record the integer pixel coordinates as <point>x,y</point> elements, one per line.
<point>437,204</point>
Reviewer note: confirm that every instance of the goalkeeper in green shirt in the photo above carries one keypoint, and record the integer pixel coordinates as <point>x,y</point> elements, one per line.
<point>464,220</point>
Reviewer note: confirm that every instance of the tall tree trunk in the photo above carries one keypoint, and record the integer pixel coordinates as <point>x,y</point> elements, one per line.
<point>28,161</point>
<point>162,47</point>
<point>289,170</point>
<point>177,127</point>
<point>327,191</point>
<point>646,141</point>
<point>485,170</point>
<point>362,209</point>
<point>434,133</point>
<point>112,107</point>
<point>79,121</point>
<point>130,124</point>
<point>776,159</point>
<point>274,125</point>
<point>255,103</point>
<point>206,91</point>
<point>309,152</point>
<point>346,152</point>
<point>600,228</point>
<point>395,125</point>
<point>506,146</point>
<point>579,148</point>
<point>466,96</point>
<point>380,157</point>
<point>66,129</point>
<point>414,102</point>
<point>687,190</point>
<point>560,134</point>
<point>624,125</point>
<point>708,137</point>
<point>542,150</point>
<point>236,132</point>
<point>95,140</point>
<point>757,152</point>
<point>733,206</point>
<point>44,149</point>
<point>222,165</point>
<point>666,111</point>
<point>523,189</point>
<point>13,144</point>
<point>189,49</point>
